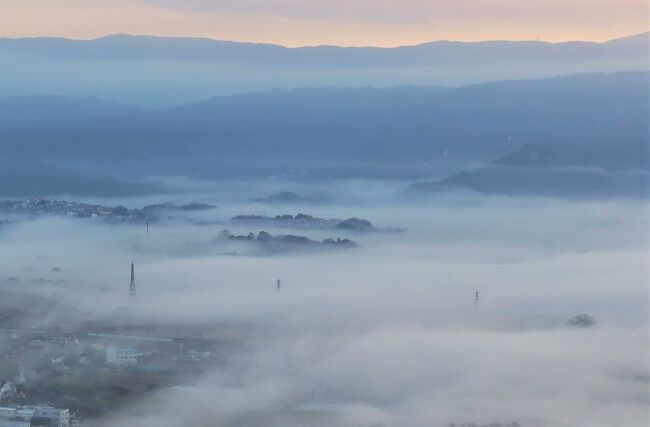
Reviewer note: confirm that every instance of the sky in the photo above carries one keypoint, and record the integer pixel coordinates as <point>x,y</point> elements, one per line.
<point>338,22</point>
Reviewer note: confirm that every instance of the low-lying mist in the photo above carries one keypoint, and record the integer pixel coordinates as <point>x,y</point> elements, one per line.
<point>388,333</point>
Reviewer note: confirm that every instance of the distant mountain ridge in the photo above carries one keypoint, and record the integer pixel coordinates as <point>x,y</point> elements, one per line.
<point>153,71</point>
<point>19,110</point>
<point>131,47</point>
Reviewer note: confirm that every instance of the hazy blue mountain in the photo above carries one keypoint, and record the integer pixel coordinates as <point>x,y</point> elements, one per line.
<point>566,170</point>
<point>35,183</point>
<point>155,70</point>
<point>621,156</point>
<point>401,132</point>
<point>16,111</point>
<point>30,175</point>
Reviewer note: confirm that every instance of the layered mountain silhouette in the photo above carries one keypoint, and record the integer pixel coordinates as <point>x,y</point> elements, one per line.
<point>399,132</point>
<point>158,70</point>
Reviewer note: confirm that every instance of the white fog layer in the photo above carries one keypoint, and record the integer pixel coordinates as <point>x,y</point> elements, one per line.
<point>458,313</point>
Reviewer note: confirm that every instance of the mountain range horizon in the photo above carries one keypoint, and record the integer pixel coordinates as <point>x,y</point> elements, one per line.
<point>166,71</point>
<point>419,112</point>
<point>644,35</point>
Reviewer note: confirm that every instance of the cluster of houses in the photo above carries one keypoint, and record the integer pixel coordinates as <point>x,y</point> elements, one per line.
<point>99,350</point>
<point>38,415</point>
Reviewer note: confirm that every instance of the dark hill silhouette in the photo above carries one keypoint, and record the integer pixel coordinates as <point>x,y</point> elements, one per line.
<point>400,132</point>
<point>564,170</point>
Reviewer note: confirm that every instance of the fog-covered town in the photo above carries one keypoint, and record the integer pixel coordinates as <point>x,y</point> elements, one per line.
<point>342,213</point>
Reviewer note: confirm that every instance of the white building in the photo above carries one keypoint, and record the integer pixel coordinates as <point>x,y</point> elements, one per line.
<point>57,417</point>
<point>64,340</point>
<point>23,415</point>
<point>127,356</point>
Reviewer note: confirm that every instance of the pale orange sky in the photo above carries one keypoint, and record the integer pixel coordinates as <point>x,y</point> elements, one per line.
<point>341,22</point>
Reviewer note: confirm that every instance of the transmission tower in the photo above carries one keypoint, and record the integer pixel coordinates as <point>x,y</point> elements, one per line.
<point>132,285</point>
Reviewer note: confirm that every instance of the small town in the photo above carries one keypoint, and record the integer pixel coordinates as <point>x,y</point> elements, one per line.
<point>49,377</point>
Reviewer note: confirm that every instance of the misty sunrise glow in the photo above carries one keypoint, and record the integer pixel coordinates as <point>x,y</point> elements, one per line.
<point>340,22</point>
